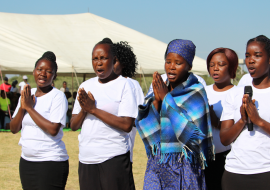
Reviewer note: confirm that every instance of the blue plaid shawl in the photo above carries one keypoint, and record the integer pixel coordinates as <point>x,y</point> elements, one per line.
<point>183,125</point>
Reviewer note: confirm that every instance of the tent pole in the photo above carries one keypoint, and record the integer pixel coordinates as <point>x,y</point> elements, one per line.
<point>84,75</point>
<point>72,90</point>
<point>140,79</point>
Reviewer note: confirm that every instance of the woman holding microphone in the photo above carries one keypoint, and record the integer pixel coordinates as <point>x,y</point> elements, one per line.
<point>248,163</point>
<point>41,117</point>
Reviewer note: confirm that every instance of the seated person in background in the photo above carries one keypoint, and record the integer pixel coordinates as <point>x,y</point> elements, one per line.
<point>5,86</point>
<point>4,103</point>
<point>69,111</point>
<point>14,89</point>
<point>64,88</point>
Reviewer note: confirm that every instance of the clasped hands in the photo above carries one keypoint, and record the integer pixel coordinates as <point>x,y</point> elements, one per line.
<point>86,100</point>
<point>248,109</point>
<point>159,87</point>
<point>27,100</point>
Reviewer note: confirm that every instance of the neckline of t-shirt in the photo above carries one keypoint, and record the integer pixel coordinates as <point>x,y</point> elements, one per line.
<point>257,90</point>
<point>44,94</point>
<point>108,83</point>
<point>216,92</point>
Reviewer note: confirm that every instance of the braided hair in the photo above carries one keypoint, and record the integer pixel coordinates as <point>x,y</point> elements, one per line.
<point>50,56</point>
<point>262,39</point>
<point>126,58</point>
<point>109,42</point>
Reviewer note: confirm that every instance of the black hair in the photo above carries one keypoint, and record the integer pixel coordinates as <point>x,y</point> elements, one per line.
<point>15,82</point>
<point>262,39</point>
<point>50,56</point>
<point>109,42</point>
<point>126,58</point>
<point>64,82</point>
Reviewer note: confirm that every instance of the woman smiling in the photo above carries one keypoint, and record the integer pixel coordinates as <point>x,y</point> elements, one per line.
<point>41,117</point>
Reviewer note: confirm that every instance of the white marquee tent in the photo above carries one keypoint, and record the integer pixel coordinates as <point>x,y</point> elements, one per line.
<point>24,38</point>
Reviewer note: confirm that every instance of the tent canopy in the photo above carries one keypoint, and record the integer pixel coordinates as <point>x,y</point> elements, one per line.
<point>24,38</point>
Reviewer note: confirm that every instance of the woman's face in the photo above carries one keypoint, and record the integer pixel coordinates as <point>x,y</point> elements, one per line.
<point>176,68</point>
<point>257,60</point>
<point>219,68</point>
<point>103,61</point>
<point>44,73</point>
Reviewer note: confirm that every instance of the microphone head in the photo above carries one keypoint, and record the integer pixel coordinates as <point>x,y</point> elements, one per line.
<point>248,90</point>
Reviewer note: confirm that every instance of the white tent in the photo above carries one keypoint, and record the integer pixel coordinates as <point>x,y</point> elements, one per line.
<point>24,38</point>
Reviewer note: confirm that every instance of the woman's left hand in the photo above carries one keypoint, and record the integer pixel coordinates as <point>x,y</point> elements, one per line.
<point>86,100</point>
<point>161,87</point>
<point>251,110</point>
<point>27,100</point>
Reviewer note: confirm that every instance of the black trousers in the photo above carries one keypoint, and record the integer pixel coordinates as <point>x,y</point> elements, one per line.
<point>232,181</point>
<point>47,175</point>
<point>214,171</point>
<point>113,174</point>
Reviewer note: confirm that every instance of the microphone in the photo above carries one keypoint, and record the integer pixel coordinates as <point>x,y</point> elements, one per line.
<point>248,90</point>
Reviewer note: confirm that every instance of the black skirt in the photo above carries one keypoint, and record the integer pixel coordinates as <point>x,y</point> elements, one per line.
<point>214,171</point>
<point>113,174</point>
<point>47,175</point>
<point>233,181</point>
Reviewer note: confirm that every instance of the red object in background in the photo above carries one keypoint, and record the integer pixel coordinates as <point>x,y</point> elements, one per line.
<point>5,87</point>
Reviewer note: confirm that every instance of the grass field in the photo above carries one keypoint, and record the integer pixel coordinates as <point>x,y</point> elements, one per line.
<point>10,153</point>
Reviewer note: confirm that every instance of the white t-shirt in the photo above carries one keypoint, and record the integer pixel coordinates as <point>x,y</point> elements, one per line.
<point>36,144</point>
<point>98,141</point>
<point>164,78</point>
<point>139,99</point>
<point>217,100</point>
<point>246,79</point>
<point>21,84</point>
<point>250,153</point>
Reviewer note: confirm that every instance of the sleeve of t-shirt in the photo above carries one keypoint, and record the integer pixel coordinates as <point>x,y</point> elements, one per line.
<point>228,107</point>
<point>76,108</point>
<point>128,105</point>
<point>8,101</point>
<point>59,109</point>
<point>140,95</point>
<point>17,108</point>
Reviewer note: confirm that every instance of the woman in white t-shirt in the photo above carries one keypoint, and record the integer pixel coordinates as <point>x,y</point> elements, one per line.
<point>125,65</point>
<point>41,117</point>
<point>248,163</point>
<point>105,109</point>
<point>222,64</point>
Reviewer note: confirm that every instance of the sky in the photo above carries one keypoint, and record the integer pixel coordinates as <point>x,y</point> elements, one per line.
<point>209,24</point>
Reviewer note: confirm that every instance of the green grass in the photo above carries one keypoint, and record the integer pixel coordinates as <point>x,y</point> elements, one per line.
<point>10,153</point>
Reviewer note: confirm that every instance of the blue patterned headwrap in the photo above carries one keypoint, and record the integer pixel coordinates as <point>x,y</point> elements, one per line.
<point>184,48</point>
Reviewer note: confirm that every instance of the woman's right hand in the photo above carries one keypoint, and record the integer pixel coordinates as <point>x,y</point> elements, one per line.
<point>27,100</point>
<point>154,84</point>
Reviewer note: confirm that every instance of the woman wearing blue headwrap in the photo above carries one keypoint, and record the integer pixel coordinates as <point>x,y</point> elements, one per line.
<point>175,125</point>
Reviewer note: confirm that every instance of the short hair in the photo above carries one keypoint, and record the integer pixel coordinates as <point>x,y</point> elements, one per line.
<point>126,58</point>
<point>64,82</point>
<point>5,79</point>
<point>109,42</point>
<point>50,56</point>
<point>231,56</point>
<point>263,39</point>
